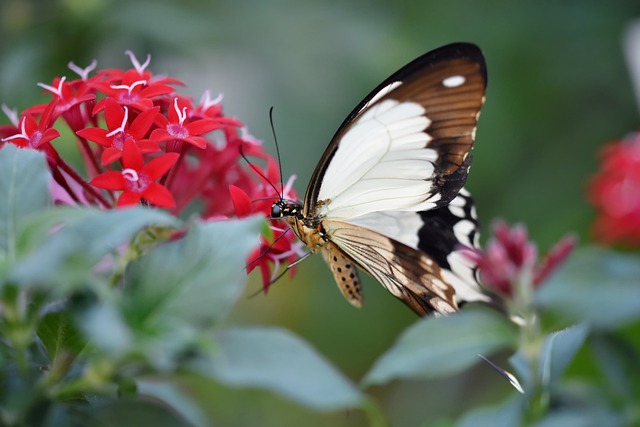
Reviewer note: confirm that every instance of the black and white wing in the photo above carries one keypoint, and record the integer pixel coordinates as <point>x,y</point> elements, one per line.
<point>406,146</point>
<point>415,255</point>
<point>386,190</point>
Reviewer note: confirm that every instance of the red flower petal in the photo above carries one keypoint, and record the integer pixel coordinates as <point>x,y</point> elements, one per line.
<point>241,201</point>
<point>202,126</point>
<point>128,198</point>
<point>160,165</point>
<point>141,125</point>
<point>113,114</point>
<point>111,180</point>
<point>159,196</point>
<point>131,156</point>
<point>97,135</point>
<point>110,155</point>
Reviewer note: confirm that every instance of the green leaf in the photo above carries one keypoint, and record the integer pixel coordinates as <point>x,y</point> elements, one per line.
<point>104,325</point>
<point>58,333</point>
<point>617,358</point>
<point>507,414</point>
<point>23,191</point>
<point>197,278</point>
<point>65,259</point>
<point>171,395</point>
<point>583,416</point>
<point>558,350</point>
<point>438,346</point>
<point>278,361</point>
<point>131,412</point>
<point>596,285</point>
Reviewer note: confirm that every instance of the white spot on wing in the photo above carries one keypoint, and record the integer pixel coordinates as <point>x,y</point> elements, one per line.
<point>453,81</point>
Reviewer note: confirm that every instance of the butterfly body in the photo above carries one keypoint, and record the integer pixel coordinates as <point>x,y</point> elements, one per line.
<point>387,195</point>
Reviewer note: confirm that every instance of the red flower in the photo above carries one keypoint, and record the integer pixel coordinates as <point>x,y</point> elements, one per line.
<point>144,143</point>
<point>278,246</point>
<point>10,129</point>
<point>176,127</point>
<point>137,180</point>
<point>615,193</point>
<point>510,256</point>
<point>33,134</point>
<point>119,131</point>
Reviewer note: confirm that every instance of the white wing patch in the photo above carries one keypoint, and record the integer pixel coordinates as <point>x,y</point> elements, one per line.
<point>382,92</point>
<point>381,164</point>
<point>402,226</point>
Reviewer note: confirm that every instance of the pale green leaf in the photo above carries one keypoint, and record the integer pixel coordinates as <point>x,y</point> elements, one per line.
<point>275,360</point>
<point>196,278</point>
<point>439,346</point>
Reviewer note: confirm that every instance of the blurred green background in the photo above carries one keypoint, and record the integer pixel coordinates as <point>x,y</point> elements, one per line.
<point>558,90</point>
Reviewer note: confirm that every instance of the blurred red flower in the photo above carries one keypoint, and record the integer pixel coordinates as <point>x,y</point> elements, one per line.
<point>510,256</point>
<point>615,193</point>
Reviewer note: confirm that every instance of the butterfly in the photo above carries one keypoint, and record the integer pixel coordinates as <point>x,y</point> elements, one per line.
<point>387,195</point>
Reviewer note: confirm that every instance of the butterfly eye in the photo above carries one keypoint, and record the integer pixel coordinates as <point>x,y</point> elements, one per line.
<point>276,210</point>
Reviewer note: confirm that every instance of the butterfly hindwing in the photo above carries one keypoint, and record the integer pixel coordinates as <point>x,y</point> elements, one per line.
<point>416,255</point>
<point>407,273</point>
<point>345,274</point>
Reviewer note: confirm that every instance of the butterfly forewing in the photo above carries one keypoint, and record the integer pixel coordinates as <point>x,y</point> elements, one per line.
<point>406,145</point>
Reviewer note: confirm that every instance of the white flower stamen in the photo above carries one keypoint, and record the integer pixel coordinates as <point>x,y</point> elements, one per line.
<point>136,64</point>
<point>23,133</point>
<point>182,115</point>
<point>83,72</point>
<point>56,91</point>
<point>124,122</point>
<point>130,175</point>
<point>206,101</point>
<point>129,88</point>
<point>12,115</point>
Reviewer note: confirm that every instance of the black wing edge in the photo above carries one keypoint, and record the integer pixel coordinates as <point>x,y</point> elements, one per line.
<point>463,50</point>
<point>438,239</point>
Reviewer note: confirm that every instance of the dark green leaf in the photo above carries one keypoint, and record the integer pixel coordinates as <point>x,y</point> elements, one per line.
<point>58,333</point>
<point>278,361</point>
<point>592,416</point>
<point>132,412</point>
<point>596,285</point>
<point>507,414</point>
<point>197,278</point>
<point>438,346</point>
<point>23,191</point>
<point>171,395</point>
<point>557,352</point>
<point>618,359</point>
<point>66,258</point>
<point>104,326</point>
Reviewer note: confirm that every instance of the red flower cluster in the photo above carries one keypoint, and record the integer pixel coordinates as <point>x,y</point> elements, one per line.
<point>142,142</point>
<point>615,193</point>
<point>509,255</point>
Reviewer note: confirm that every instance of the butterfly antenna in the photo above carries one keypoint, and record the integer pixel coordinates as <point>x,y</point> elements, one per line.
<point>275,141</point>
<point>259,172</point>
<point>268,248</point>
<point>279,276</point>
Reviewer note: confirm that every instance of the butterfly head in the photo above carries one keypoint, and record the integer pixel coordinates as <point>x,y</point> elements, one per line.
<point>284,209</point>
